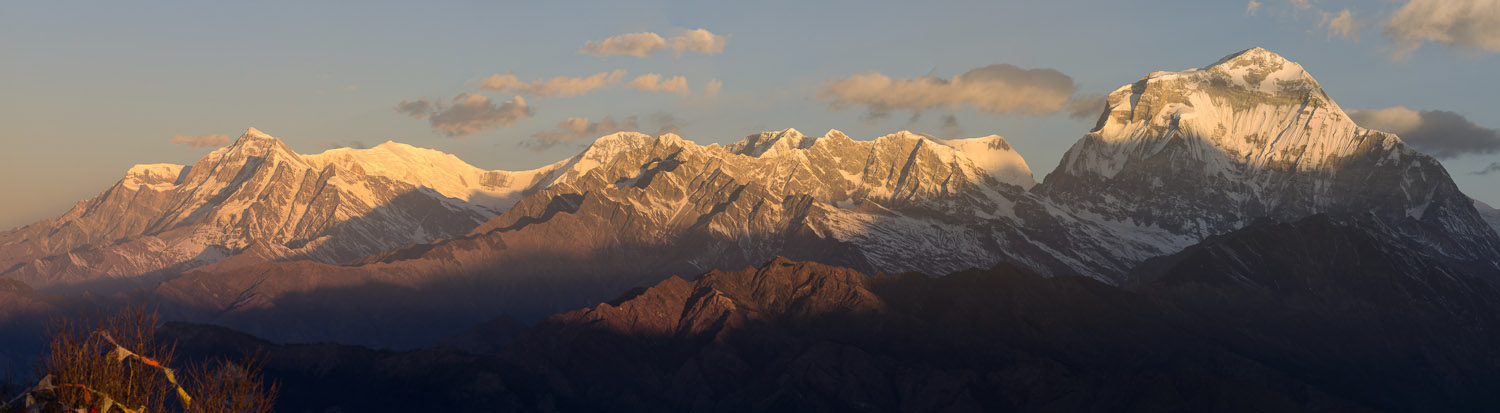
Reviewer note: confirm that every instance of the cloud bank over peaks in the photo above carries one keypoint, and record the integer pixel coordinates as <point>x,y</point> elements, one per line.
<point>1087,107</point>
<point>466,114</point>
<point>574,129</point>
<point>1000,89</point>
<point>1440,133</point>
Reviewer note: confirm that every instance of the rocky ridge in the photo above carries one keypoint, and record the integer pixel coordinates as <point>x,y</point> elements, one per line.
<point>160,220</point>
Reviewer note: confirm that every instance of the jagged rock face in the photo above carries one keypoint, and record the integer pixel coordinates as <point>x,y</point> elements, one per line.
<point>162,219</point>
<point>629,211</point>
<point>1208,150</point>
<point>897,203</point>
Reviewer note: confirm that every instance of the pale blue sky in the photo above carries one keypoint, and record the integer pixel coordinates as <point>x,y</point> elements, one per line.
<point>90,88</point>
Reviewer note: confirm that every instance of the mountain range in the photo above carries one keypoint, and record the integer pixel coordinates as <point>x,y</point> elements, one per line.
<point>255,234</point>
<point>1223,221</point>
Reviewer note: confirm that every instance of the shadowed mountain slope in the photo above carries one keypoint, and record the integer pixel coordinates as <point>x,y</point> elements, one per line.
<point>1332,315</point>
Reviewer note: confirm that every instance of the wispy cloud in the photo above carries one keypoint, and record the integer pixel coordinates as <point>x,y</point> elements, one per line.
<point>562,86</point>
<point>629,44</point>
<point>950,127</point>
<point>1341,24</point>
<point>1439,133</point>
<point>419,108</point>
<point>1000,88</point>
<point>647,43</point>
<point>1494,167</point>
<point>201,141</point>
<point>711,91</point>
<point>574,129</point>
<point>652,82</point>
<point>1472,25</point>
<point>466,113</point>
<point>577,129</point>
<point>1087,107</point>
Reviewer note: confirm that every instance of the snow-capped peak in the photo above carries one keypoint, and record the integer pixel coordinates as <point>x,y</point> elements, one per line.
<point>254,143</point>
<point>1260,69</point>
<point>1206,150</point>
<point>993,154</point>
<point>1253,108</point>
<point>252,132</point>
<point>759,145</point>
<point>155,176</point>
<point>1256,55</point>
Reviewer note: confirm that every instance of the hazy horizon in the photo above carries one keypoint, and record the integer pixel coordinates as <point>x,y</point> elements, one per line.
<point>93,89</point>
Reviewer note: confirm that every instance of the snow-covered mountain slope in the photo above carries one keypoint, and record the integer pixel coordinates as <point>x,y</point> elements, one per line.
<point>339,205</point>
<point>1208,150</point>
<point>896,203</point>
<point>435,170</point>
<point>633,208</point>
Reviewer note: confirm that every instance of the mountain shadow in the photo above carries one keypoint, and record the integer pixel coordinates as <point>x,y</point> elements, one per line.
<point>1365,325</point>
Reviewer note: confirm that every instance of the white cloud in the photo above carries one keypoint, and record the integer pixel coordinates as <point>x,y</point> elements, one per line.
<point>1465,24</point>
<point>629,44</point>
<point>466,114</point>
<point>698,41</point>
<point>1301,4</point>
<point>201,141</point>
<point>1439,133</point>
<point>1341,24</point>
<point>652,82</point>
<point>998,88</point>
<point>1252,8</point>
<point>647,43</point>
<point>558,86</point>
